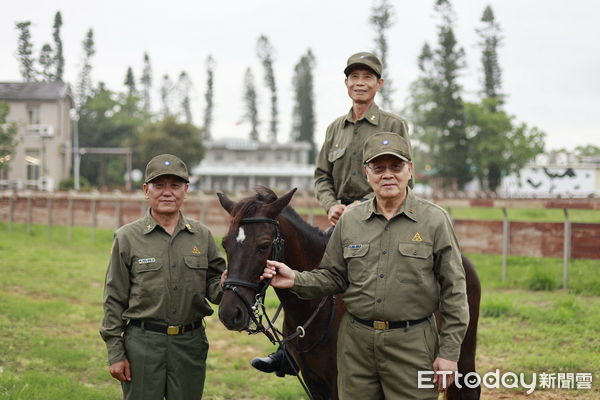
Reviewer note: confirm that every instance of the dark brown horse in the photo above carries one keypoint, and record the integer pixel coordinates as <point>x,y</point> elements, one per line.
<point>249,245</point>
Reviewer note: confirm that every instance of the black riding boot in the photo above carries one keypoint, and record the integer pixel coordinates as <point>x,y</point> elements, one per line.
<point>275,362</point>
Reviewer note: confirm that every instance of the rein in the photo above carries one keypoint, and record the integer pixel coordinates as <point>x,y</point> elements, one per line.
<point>258,310</point>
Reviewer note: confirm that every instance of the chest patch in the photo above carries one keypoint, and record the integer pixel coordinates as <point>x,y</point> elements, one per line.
<point>417,238</point>
<point>355,246</point>
<point>195,250</point>
<point>241,236</point>
<point>146,260</point>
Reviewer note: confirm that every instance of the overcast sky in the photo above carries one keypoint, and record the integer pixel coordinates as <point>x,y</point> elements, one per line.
<point>550,56</point>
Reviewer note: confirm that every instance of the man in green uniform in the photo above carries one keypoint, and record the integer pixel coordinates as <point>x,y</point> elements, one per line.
<point>162,269</point>
<point>339,179</point>
<point>395,258</point>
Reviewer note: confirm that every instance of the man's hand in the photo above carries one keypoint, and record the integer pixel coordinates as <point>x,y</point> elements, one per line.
<point>335,212</point>
<point>441,364</point>
<point>121,370</point>
<point>223,277</point>
<point>280,274</point>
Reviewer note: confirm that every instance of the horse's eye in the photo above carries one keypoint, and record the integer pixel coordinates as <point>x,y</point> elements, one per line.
<point>263,247</point>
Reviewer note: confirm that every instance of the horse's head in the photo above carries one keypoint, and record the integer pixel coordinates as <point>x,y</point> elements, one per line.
<point>250,241</point>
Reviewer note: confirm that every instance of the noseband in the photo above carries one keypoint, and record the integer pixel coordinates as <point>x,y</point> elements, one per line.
<point>260,288</point>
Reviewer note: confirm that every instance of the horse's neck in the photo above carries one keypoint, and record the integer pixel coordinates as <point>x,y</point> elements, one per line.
<point>304,245</point>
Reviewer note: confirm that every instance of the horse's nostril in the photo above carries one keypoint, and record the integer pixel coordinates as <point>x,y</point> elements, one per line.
<point>238,316</point>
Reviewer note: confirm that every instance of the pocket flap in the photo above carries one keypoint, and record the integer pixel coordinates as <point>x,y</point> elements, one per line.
<point>196,262</point>
<point>335,154</point>
<point>355,250</point>
<point>415,250</point>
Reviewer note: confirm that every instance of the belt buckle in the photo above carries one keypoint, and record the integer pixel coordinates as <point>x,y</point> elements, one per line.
<point>381,325</point>
<point>173,330</point>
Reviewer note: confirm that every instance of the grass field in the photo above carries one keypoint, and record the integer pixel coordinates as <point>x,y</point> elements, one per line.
<point>50,308</point>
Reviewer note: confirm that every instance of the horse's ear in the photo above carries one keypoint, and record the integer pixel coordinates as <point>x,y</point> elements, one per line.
<point>226,202</point>
<point>274,208</point>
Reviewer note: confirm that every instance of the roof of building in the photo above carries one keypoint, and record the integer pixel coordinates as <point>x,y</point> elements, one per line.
<point>232,143</point>
<point>33,90</point>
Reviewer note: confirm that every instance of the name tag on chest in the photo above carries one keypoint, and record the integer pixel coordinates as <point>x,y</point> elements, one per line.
<point>146,260</point>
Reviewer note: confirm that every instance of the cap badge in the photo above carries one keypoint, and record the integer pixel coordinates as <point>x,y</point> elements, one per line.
<point>362,56</point>
<point>385,142</point>
<point>167,163</point>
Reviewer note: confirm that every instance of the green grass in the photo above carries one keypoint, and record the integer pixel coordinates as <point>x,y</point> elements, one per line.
<point>51,305</point>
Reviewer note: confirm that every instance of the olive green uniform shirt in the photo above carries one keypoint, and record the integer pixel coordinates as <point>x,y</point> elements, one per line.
<point>339,173</point>
<point>159,278</point>
<point>395,270</point>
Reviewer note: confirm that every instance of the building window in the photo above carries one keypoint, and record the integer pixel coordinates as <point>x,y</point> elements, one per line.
<point>3,172</point>
<point>218,156</point>
<point>33,162</point>
<point>34,115</point>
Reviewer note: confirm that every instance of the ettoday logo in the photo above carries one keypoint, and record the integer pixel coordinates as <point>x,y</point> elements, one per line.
<point>509,380</point>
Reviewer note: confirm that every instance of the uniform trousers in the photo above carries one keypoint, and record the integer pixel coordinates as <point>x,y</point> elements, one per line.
<point>384,364</point>
<point>165,366</point>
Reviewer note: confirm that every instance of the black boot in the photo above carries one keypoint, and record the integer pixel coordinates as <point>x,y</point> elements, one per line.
<point>275,362</point>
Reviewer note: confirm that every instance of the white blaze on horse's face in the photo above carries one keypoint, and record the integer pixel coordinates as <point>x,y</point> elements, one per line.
<point>241,235</point>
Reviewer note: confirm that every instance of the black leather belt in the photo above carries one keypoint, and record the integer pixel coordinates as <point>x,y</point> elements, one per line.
<point>166,329</point>
<point>385,325</point>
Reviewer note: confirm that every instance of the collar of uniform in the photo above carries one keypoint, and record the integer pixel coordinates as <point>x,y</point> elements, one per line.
<point>186,223</point>
<point>150,223</point>
<point>408,207</point>
<point>372,115</point>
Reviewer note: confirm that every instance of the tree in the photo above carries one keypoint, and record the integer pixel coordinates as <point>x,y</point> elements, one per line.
<point>303,129</point>
<point>166,92</point>
<point>59,59</point>
<point>208,97</point>
<point>130,82</point>
<point>382,18</point>
<point>250,101</point>
<point>146,82</point>
<point>491,40</point>
<point>84,85</point>
<point>588,150</point>
<point>498,145</point>
<point>169,136</point>
<point>46,62</point>
<point>265,54</point>
<point>8,136</point>
<point>438,107</point>
<point>25,51</point>
<point>108,119</point>
<point>184,89</point>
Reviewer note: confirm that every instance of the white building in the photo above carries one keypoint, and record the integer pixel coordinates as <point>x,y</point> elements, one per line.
<point>42,158</point>
<point>238,165</point>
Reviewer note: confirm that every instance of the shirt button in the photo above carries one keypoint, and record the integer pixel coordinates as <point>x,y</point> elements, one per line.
<point>384,252</point>
<point>174,287</point>
<point>354,173</point>
<point>381,275</point>
<point>414,252</point>
<point>387,228</point>
<point>173,266</point>
<point>379,300</point>
<point>354,153</point>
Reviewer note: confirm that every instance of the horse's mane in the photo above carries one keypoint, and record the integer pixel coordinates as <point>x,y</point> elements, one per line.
<point>248,206</point>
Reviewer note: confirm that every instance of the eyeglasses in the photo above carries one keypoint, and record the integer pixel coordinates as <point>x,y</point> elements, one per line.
<point>379,169</point>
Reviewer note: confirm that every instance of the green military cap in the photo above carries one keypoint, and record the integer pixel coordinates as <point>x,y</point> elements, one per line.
<point>386,143</point>
<point>166,164</point>
<point>364,59</point>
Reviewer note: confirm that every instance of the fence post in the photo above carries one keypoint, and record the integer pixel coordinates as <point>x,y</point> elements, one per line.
<point>49,211</point>
<point>566,249</point>
<point>118,212</point>
<point>29,214</point>
<point>202,204</point>
<point>70,217</point>
<point>505,241</point>
<point>94,218</point>
<point>11,213</point>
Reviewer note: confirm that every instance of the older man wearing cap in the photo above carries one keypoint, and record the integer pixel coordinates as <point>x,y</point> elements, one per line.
<point>339,180</point>
<point>395,259</point>
<point>162,270</point>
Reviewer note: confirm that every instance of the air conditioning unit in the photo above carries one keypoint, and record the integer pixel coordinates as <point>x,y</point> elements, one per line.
<point>46,131</point>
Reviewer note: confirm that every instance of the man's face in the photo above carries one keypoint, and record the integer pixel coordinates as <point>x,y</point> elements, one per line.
<point>363,84</point>
<point>165,194</point>
<point>388,176</point>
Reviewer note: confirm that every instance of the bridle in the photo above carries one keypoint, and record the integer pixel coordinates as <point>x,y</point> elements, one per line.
<point>257,310</point>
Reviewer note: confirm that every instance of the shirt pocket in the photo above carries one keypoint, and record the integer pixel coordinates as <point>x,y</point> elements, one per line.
<point>416,260</point>
<point>336,154</point>
<point>195,271</point>
<point>356,262</point>
<point>148,275</point>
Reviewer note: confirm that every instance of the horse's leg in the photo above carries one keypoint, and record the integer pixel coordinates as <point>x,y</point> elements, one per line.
<point>466,362</point>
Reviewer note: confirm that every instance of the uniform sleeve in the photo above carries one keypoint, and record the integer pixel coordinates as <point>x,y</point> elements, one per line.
<point>331,277</point>
<point>453,293</point>
<point>116,300</point>
<point>216,266</point>
<point>324,189</point>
